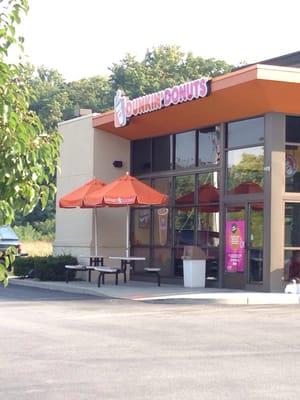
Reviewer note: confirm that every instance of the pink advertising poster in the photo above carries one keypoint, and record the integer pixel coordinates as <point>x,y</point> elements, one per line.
<point>235,246</point>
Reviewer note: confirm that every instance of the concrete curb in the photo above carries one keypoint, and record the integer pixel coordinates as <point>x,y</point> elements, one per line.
<point>224,298</point>
<point>50,286</point>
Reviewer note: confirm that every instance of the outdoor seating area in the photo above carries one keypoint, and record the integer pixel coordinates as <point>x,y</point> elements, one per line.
<point>125,191</point>
<point>96,263</point>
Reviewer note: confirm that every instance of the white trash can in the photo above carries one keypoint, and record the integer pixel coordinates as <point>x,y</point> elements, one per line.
<point>194,267</point>
<point>194,272</point>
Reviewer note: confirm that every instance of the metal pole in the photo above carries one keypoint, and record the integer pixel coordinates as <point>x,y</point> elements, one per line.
<point>127,231</point>
<point>96,232</point>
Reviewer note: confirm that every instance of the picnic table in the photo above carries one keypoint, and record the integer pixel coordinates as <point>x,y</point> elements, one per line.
<point>79,267</point>
<point>126,261</point>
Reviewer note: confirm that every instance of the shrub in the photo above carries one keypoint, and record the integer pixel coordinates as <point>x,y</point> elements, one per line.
<point>27,232</point>
<point>44,230</point>
<point>52,268</point>
<point>23,265</point>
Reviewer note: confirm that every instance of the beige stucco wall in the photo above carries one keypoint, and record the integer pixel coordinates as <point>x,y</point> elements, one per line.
<point>87,153</point>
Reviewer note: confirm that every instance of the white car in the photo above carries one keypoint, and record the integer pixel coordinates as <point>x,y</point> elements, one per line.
<point>9,238</point>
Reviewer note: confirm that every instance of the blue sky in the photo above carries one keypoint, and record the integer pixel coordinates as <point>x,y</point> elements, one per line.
<point>82,38</point>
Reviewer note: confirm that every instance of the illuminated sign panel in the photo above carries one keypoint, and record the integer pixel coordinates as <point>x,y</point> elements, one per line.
<point>124,108</point>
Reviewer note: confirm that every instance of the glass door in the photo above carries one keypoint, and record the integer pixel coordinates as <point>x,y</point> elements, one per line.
<point>244,233</point>
<point>255,242</point>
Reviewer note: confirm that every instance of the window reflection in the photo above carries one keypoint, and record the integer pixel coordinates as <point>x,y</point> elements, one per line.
<point>185,189</point>
<point>209,146</point>
<point>141,252</point>
<point>256,242</point>
<point>142,156</point>
<point>212,263</point>
<point>292,168</point>
<point>208,228</point>
<point>140,226</point>
<point>245,170</point>
<point>208,191</point>
<point>184,226</point>
<point>162,153</point>
<point>245,133</point>
<point>185,154</point>
<point>163,185</point>
<point>292,224</point>
<point>292,265</point>
<point>163,259</point>
<point>292,129</point>
<point>255,266</point>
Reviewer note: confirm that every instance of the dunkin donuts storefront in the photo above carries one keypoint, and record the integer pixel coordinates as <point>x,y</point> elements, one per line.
<point>227,153</point>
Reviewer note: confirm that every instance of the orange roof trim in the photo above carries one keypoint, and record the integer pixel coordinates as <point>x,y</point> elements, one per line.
<point>248,92</point>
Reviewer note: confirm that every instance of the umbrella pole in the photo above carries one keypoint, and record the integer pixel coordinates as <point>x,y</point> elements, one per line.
<point>127,231</point>
<point>96,232</point>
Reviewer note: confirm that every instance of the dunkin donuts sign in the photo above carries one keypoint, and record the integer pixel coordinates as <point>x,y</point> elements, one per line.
<point>124,108</point>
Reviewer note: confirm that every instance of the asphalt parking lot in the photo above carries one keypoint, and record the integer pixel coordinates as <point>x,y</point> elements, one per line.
<point>56,345</point>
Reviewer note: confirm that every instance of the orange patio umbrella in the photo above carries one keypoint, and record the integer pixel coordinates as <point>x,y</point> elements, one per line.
<point>76,199</point>
<point>125,191</point>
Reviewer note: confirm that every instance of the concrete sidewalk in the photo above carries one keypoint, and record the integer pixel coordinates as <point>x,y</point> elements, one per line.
<point>145,291</point>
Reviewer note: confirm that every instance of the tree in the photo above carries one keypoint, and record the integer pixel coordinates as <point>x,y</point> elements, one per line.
<point>162,67</point>
<point>51,97</point>
<point>28,155</point>
<point>94,93</point>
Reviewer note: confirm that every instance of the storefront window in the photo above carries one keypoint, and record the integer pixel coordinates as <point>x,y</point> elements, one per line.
<point>245,170</point>
<point>163,185</point>
<point>291,265</point>
<point>185,153</point>
<point>292,224</point>
<point>185,189</point>
<point>208,238</point>
<point>292,129</point>
<point>245,133</point>
<point>208,189</point>
<point>141,156</point>
<point>212,263</point>
<point>256,242</point>
<point>162,226</point>
<point>208,228</point>
<point>209,146</point>
<point>163,153</point>
<point>141,252</point>
<point>292,155</point>
<point>162,258</point>
<point>184,226</point>
<point>292,168</point>
<point>140,226</point>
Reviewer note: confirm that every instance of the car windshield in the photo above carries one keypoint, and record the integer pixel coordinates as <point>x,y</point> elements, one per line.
<point>7,233</point>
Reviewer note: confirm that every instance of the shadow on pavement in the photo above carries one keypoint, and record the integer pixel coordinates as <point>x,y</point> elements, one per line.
<point>18,293</point>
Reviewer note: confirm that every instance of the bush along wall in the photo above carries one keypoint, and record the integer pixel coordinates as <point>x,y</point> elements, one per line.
<point>51,268</point>
<point>23,266</point>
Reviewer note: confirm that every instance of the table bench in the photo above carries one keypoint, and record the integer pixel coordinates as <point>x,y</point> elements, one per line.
<point>127,261</point>
<point>78,267</point>
<point>107,270</point>
<point>155,271</point>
